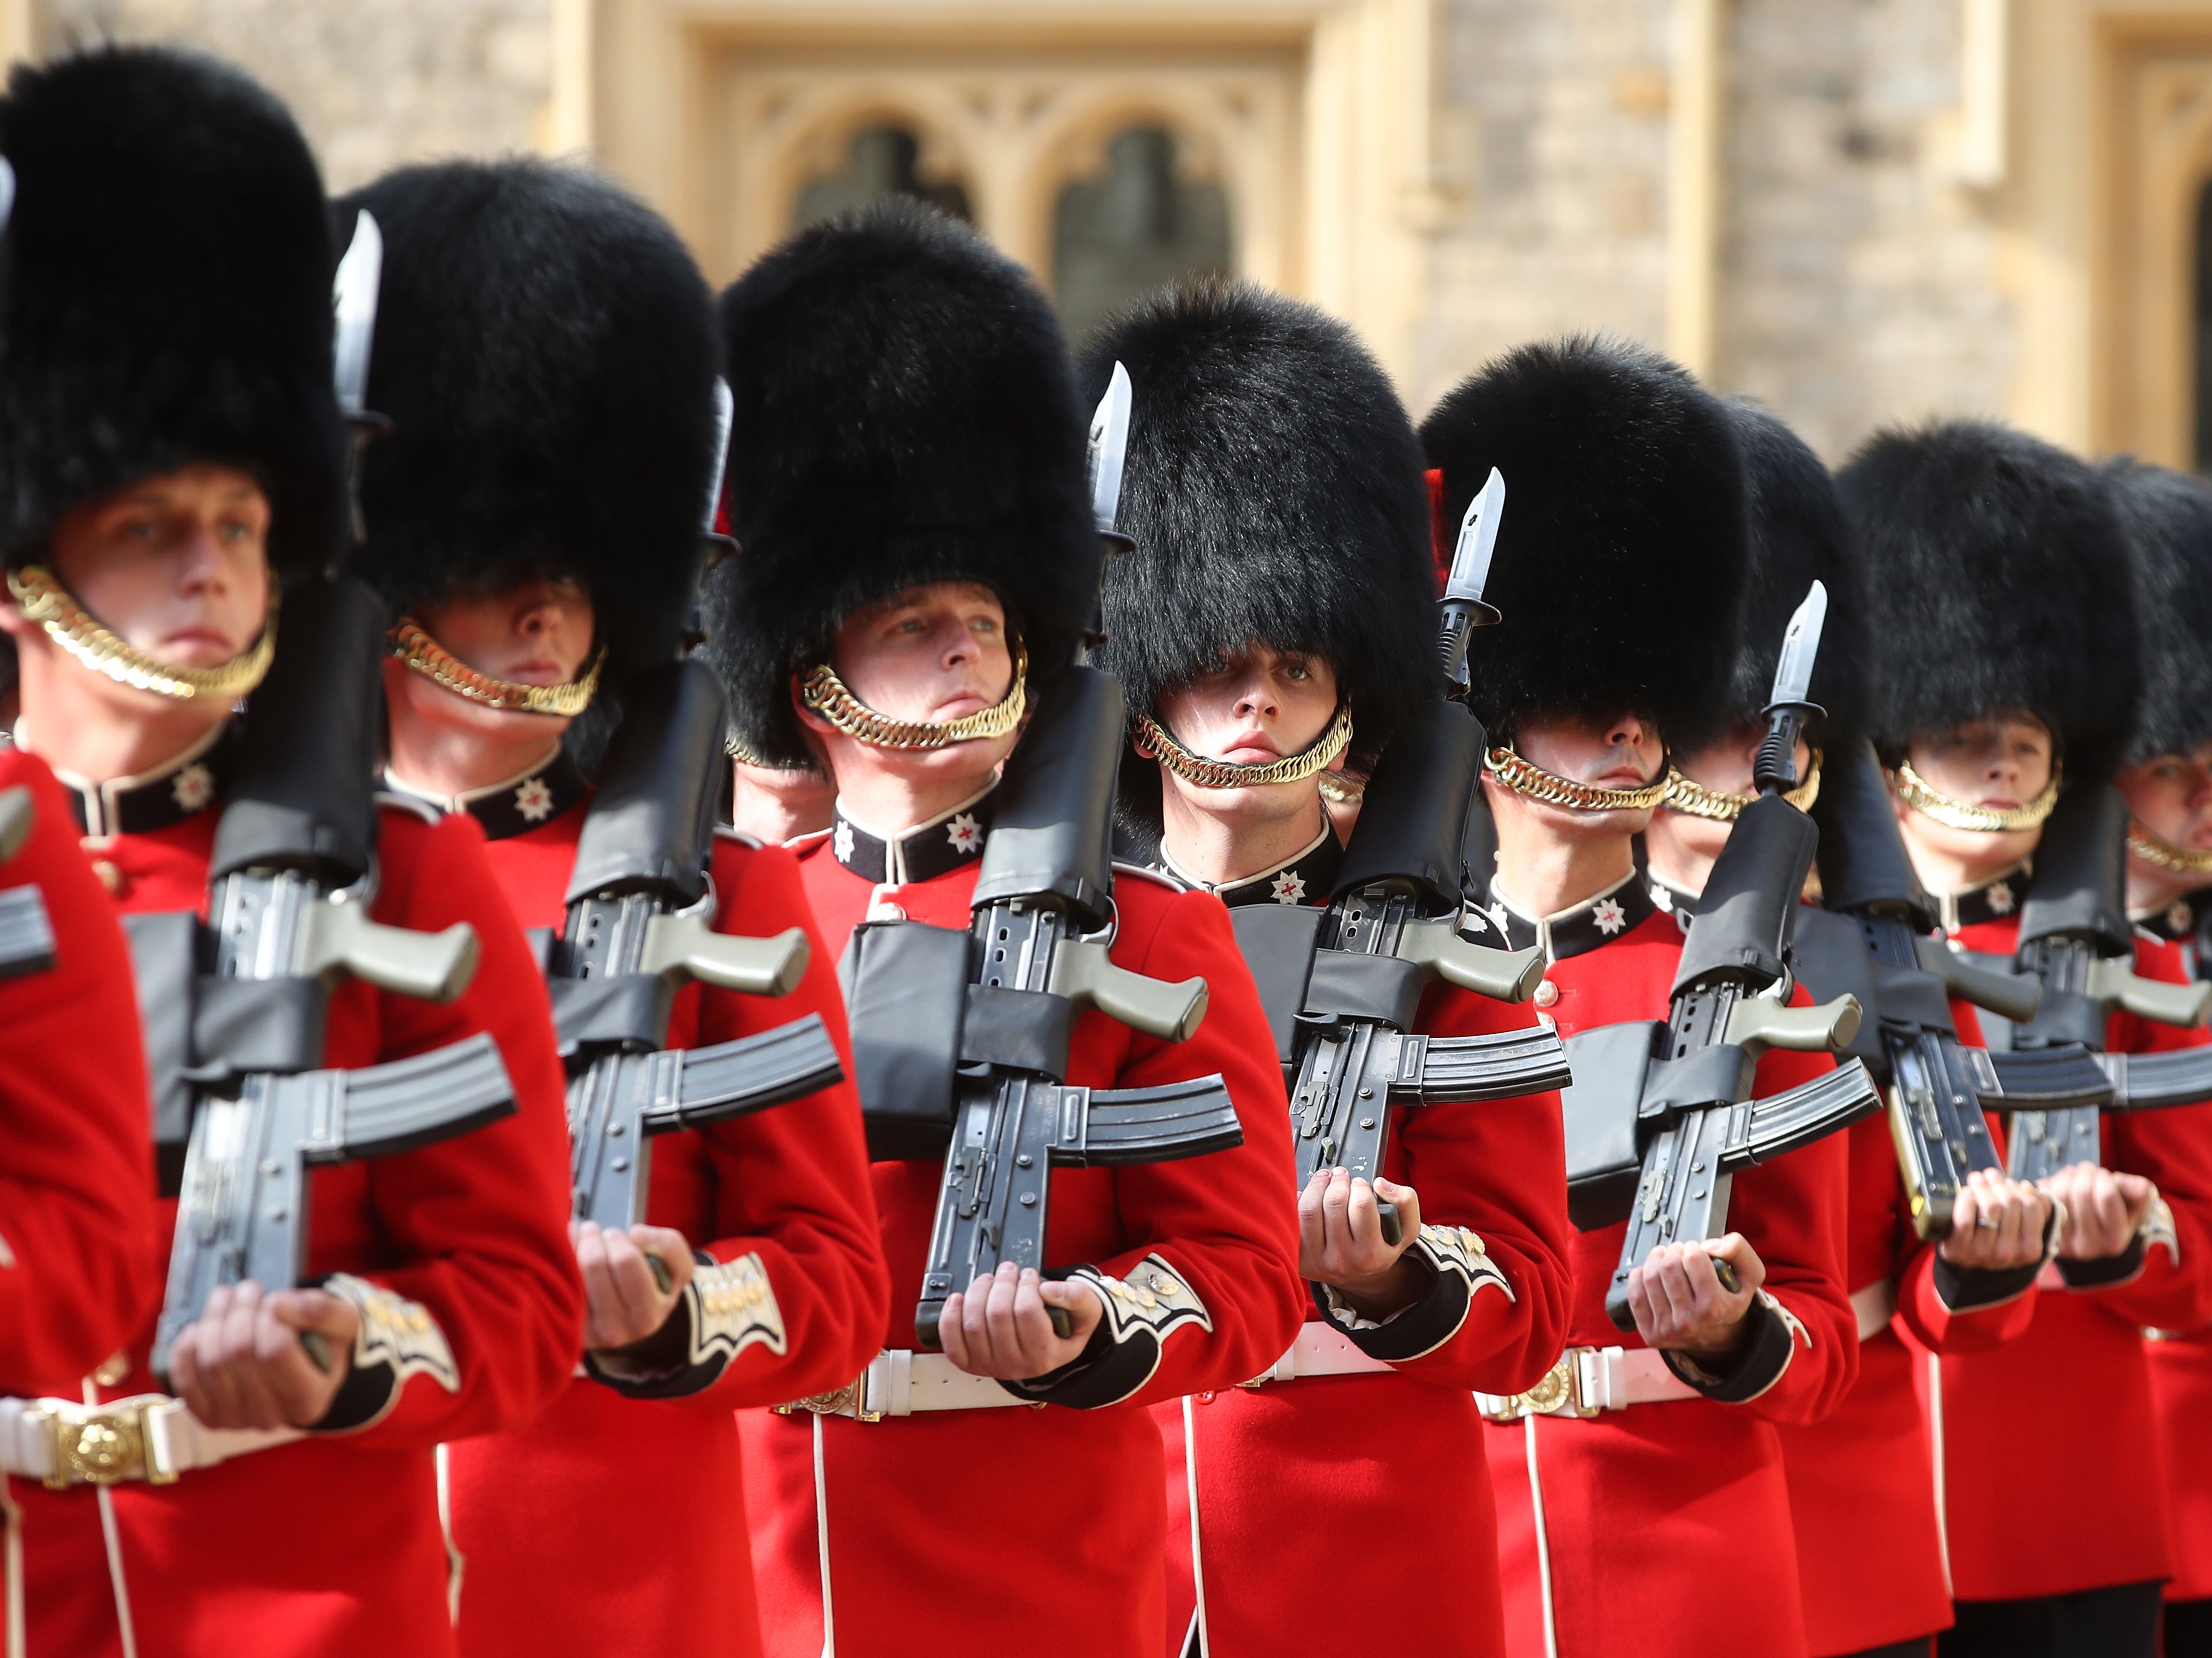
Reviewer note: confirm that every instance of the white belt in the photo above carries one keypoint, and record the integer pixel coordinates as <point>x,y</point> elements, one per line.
<point>1589,1379</point>
<point>899,1382</point>
<point>1321,1350</point>
<point>1874,1305</point>
<point>149,1436</point>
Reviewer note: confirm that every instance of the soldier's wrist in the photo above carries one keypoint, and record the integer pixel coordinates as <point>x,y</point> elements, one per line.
<point>1388,1292</point>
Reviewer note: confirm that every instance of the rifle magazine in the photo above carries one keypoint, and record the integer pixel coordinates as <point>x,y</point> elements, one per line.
<point>2057,1079</point>
<point>1127,1126</point>
<point>734,1078</point>
<point>396,1106</point>
<point>27,933</point>
<point>1798,1116</point>
<point>2155,1082</point>
<point>1464,1069</point>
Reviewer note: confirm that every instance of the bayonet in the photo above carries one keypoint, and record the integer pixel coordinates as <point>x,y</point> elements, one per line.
<point>360,273</point>
<point>1464,609</point>
<point>1109,451</point>
<point>7,194</point>
<point>725,409</point>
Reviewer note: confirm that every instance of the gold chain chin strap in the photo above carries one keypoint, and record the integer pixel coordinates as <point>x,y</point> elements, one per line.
<point>825,694</point>
<point>426,656</point>
<point>1197,769</point>
<point>41,597</point>
<point>1698,801</point>
<point>1525,776</point>
<point>1931,802</point>
<point>2155,848</point>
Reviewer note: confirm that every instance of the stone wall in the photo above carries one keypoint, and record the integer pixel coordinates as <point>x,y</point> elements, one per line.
<point>374,83</point>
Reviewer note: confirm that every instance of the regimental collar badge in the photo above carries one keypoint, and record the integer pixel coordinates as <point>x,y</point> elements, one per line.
<point>1307,878</point>
<point>1614,914</point>
<point>170,793</point>
<point>2179,921</point>
<point>953,840</point>
<point>518,804</point>
<point>1998,900</point>
<point>1677,901</point>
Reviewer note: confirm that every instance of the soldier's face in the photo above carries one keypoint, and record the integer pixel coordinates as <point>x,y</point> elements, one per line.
<point>938,653</point>
<point>534,633</point>
<point>2000,761</point>
<point>2170,795</point>
<point>1263,706</point>
<point>177,564</point>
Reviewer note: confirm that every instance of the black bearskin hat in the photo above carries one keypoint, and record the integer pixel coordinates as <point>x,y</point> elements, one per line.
<point>546,351</point>
<point>1275,492</point>
<point>2004,581</point>
<point>1622,556</point>
<point>906,414</point>
<point>2168,521</point>
<point>167,299</point>
<point>1797,538</point>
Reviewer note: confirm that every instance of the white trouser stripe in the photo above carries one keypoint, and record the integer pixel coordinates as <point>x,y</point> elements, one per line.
<point>1197,1555</point>
<point>1935,1455</point>
<point>1543,1543</point>
<point>822,1542</point>
<point>455,1565</point>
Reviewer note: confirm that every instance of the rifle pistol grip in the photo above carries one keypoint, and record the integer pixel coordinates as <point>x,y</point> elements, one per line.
<point>17,813</point>
<point>1503,975</point>
<point>429,966</point>
<point>2111,980</point>
<point>1082,972</point>
<point>2013,996</point>
<point>686,947</point>
<point>1756,1024</point>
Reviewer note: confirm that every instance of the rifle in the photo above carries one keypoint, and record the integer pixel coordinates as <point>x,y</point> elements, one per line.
<point>27,933</point>
<point>1660,1119</point>
<point>1880,938</point>
<point>960,1040</point>
<point>641,906</point>
<point>2075,939</point>
<point>1343,984</point>
<point>238,1054</point>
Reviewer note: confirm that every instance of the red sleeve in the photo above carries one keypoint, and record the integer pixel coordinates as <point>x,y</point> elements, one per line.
<point>78,1265</point>
<point>1499,1170</point>
<point>2173,1291</point>
<point>477,1225</point>
<point>791,1183</point>
<point>1792,1212</point>
<point>1227,1222</point>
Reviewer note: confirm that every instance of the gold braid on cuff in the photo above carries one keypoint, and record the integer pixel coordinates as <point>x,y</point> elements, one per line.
<point>412,646</point>
<point>1698,801</point>
<point>825,694</point>
<point>2155,848</point>
<point>42,598</point>
<point>1526,777</point>
<point>1198,770</point>
<point>1932,803</point>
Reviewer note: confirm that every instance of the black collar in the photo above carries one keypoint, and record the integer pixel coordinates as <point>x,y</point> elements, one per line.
<point>2184,921</point>
<point>168,794</point>
<point>1997,900</point>
<point>1614,914</point>
<point>528,801</point>
<point>1307,878</point>
<point>951,841</point>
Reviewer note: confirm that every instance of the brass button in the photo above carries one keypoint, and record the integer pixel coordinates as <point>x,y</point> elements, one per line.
<point>110,876</point>
<point>1548,993</point>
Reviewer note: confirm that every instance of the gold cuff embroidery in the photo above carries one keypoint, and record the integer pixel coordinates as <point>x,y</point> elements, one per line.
<point>397,1332</point>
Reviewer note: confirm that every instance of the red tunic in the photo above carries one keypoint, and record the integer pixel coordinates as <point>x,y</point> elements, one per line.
<point>2181,1390</point>
<point>1633,1499</point>
<point>77,1174</point>
<point>332,1545</point>
<point>989,1531</point>
<point>1863,1492</point>
<point>617,1524</point>
<point>2060,1422</point>
<point>1329,1476</point>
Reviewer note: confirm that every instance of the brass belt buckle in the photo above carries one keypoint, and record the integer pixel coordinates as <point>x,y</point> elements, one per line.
<point>1559,1384</point>
<point>100,1445</point>
<point>829,1404</point>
